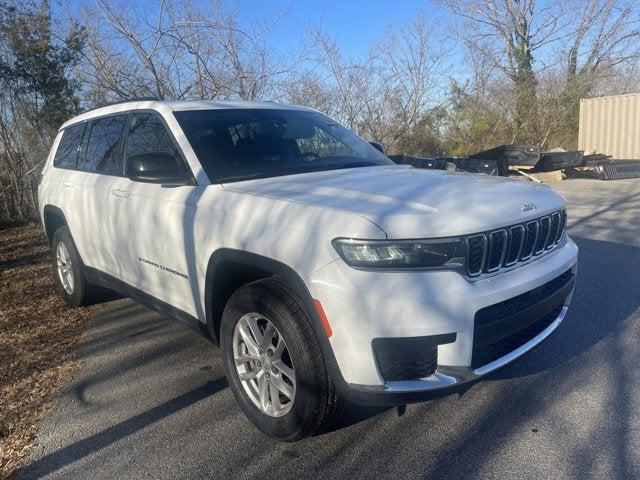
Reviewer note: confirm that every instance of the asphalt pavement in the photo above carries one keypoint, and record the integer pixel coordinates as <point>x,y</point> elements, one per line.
<point>151,400</point>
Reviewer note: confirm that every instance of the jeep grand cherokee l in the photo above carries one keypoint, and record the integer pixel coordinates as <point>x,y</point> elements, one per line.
<point>323,270</point>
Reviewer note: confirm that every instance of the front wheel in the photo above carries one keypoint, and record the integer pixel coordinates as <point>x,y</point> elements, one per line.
<point>274,364</point>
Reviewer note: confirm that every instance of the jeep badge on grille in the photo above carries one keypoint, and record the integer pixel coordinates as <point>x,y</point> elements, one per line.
<point>527,207</point>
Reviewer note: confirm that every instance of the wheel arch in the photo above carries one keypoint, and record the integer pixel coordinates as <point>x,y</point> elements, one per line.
<point>229,269</point>
<point>52,219</point>
<point>218,291</point>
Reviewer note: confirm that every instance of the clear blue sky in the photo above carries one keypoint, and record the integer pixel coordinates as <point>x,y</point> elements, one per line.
<point>354,23</point>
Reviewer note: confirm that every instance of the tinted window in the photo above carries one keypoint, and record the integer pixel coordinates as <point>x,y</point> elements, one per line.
<point>237,145</point>
<point>322,144</point>
<point>67,153</point>
<point>103,147</point>
<point>147,134</point>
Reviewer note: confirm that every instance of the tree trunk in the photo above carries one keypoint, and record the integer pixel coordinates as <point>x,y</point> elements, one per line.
<point>526,108</point>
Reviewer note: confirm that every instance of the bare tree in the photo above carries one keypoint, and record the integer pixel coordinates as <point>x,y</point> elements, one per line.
<point>508,33</point>
<point>182,50</point>
<point>601,47</point>
<point>607,34</point>
<point>591,38</point>
<point>384,93</point>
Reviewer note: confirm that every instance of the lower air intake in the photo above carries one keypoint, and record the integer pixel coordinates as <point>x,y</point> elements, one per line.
<point>409,358</point>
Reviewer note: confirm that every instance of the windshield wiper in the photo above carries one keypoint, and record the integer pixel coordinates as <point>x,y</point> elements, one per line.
<point>245,176</point>
<point>353,165</point>
<point>295,171</point>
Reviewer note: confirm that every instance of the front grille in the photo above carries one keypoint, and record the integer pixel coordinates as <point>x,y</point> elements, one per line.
<point>409,358</point>
<point>490,251</point>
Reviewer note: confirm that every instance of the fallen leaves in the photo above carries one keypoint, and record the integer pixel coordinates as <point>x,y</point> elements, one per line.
<point>39,336</point>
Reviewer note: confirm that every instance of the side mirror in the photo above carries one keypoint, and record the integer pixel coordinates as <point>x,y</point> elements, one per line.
<point>378,146</point>
<point>154,167</point>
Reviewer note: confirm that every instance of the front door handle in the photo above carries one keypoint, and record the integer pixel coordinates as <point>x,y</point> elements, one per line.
<point>68,184</point>
<point>117,192</point>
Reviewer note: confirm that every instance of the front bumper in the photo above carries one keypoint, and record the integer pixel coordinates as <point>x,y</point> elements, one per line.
<point>362,306</point>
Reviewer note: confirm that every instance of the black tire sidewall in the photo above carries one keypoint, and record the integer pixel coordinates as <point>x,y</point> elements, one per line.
<point>310,381</point>
<point>77,298</point>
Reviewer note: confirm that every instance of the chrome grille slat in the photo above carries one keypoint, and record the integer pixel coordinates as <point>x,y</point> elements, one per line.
<point>553,232</point>
<point>498,242</point>
<point>532,229</point>
<point>476,261</point>
<point>563,225</point>
<point>543,234</point>
<point>516,243</point>
<point>491,251</point>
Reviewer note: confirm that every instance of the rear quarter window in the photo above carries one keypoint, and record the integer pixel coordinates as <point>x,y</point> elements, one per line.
<point>69,146</point>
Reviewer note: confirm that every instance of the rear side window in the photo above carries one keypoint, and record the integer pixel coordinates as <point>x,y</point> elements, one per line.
<point>103,153</point>
<point>147,134</point>
<point>67,153</point>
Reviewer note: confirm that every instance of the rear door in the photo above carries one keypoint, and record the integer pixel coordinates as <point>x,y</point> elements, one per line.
<point>101,192</point>
<point>62,182</point>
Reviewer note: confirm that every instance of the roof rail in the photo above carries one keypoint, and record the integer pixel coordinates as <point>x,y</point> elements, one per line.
<point>134,99</point>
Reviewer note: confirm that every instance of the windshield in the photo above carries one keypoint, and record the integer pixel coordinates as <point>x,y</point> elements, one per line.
<point>234,145</point>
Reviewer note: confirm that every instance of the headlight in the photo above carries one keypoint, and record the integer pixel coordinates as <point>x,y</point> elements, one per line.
<point>401,253</point>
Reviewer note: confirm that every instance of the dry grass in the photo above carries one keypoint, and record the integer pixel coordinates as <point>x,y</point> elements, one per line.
<point>39,336</point>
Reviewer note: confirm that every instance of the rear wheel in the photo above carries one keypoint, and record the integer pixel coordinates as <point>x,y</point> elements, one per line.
<point>274,364</point>
<point>73,285</point>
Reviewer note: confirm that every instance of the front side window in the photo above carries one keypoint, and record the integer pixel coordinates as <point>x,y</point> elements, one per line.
<point>67,153</point>
<point>148,135</point>
<point>102,152</point>
<point>234,145</point>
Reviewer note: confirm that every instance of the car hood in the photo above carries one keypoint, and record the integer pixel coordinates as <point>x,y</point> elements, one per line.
<point>414,203</point>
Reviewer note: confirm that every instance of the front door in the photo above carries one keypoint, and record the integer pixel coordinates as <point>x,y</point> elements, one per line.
<point>155,234</point>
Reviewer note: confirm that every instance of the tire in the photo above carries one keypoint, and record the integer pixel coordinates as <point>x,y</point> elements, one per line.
<point>315,401</point>
<point>80,293</point>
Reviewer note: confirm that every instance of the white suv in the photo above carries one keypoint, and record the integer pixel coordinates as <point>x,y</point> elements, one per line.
<point>323,270</point>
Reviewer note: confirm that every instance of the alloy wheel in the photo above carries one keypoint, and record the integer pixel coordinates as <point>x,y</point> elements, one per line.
<point>263,364</point>
<point>65,268</point>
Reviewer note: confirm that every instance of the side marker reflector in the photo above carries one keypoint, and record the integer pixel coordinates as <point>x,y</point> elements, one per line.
<point>323,318</point>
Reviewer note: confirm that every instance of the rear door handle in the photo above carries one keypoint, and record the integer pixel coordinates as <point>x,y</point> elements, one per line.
<point>117,192</point>
<point>68,184</point>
